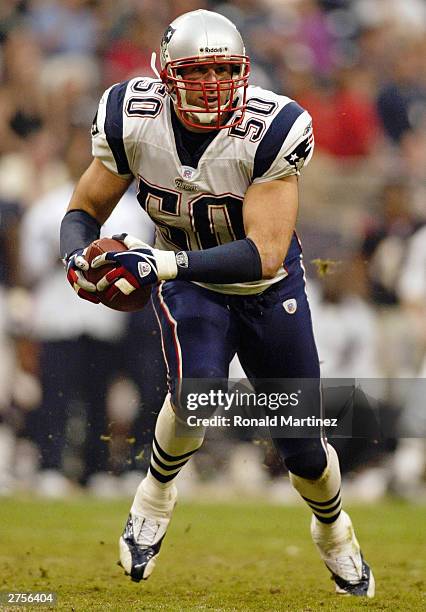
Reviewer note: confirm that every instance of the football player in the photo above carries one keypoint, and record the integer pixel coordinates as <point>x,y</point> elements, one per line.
<point>216,163</point>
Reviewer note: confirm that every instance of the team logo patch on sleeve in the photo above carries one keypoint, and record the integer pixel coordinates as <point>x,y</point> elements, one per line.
<point>298,156</point>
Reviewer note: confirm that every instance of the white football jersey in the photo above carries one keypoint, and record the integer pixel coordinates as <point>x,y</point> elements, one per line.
<point>199,207</point>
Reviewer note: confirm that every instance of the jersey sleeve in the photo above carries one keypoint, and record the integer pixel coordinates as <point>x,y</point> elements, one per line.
<point>108,140</point>
<point>286,147</point>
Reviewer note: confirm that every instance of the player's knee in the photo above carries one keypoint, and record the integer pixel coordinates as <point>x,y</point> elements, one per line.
<point>310,464</point>
<point>199,396</point>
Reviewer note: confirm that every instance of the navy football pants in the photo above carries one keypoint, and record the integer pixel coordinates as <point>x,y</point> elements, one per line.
<point>202,330</point>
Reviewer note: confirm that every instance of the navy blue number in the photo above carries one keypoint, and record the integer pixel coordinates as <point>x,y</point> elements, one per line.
<point>254,127</point>
<point>143,107</point>
<point>216,219</point>
<point>145,86</point>
<point>160,203</point>
<point>146,106</point>
<point>258,106</point>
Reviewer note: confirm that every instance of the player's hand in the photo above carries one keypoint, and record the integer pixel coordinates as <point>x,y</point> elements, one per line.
<point>75,266</point>
<point>135,268</point>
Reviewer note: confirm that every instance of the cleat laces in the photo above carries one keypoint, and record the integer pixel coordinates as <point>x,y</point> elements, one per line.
<point>347,569</point>
<point>147,533</point>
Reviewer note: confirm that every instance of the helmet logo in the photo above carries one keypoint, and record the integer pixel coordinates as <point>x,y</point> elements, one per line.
<point>213,49</point>
<point>167,36</point>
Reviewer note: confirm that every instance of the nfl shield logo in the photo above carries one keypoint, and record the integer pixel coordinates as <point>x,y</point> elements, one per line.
<point>290,306</point>
<point>187,172</point>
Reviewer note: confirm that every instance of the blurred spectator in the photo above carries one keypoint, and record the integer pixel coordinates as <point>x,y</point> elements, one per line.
<point>344,116</point>
<point>345,323</point>
<point>349,346</point>
<point>408,466</point>
<point>385,242</point>
<point>402,100</point>
<point>129,52</point>
<point>9,220</point>
<point>79,343</point>
<point>310,39</point>
<point>11,14</point>
<point>10,217</point>
<point>402,108</point>
<point>254,21</point>
<point>29,162</point>
<point>22,101</point>
<point>412,293</point>
<point>399,15</point>
<point>64,26</point>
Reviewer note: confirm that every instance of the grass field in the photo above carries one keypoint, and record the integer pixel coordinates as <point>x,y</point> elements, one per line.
<point>246,556</point>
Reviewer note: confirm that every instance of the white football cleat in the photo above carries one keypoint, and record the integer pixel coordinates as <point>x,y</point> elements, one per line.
<point>341,553</point>
<point>143,535</point>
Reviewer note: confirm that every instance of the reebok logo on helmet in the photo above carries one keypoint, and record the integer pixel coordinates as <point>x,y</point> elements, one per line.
<point>213,49</point>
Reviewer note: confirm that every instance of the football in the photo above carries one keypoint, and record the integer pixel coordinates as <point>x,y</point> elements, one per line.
<point>125,303</point>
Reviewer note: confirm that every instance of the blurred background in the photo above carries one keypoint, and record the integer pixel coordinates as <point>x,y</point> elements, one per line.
<point>80,385</point>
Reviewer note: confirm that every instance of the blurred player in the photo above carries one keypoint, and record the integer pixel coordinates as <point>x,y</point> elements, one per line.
<point>216,164</point>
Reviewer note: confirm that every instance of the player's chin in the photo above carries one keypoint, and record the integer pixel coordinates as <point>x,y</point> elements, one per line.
<point>195,117</point>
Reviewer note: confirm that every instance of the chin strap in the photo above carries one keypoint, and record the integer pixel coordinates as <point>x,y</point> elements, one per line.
<point>153,65</point>
<point>196,116</point>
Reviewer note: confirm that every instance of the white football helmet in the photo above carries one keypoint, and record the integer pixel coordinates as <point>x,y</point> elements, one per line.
<point>201,38</point>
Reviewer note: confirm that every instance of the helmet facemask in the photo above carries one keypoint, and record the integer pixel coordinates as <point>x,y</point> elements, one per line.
<point>219,98</point>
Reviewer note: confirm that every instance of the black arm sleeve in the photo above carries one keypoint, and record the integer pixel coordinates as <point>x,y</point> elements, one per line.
<point>78,230</point>
<point>234,262</point>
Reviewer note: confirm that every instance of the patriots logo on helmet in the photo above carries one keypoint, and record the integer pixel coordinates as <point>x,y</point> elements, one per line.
<point>167,36</point>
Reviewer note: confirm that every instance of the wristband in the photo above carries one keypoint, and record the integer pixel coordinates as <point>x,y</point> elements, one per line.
<point>234,262</point>
<point>166,264</point>
<point>78,229</point>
